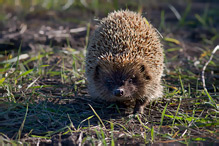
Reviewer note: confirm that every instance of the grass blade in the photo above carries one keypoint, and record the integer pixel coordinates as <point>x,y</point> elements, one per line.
<point>18,137</point>
<point>97,116</point>
<point>162,116</point>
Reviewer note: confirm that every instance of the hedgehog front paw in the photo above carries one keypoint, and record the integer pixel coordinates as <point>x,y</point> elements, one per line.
<point>139,106</point>
<point>136,116</point>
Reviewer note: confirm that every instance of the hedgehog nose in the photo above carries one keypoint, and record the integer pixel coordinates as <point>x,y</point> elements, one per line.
<point>118,92</point>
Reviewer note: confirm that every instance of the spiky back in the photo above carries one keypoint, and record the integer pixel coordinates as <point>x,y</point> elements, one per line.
<point>126,32</point>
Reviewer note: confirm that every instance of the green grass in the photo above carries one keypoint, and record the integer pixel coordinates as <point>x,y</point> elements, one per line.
<point>45,95</point>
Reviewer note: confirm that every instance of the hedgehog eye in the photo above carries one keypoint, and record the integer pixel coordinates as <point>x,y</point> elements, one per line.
<point>148,77</point>
<point>109,81</point>
<point>142,68</point>
<point>131,81</point>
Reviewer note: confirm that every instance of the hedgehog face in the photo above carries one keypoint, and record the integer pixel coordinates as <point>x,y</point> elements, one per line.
<point>120,86</point>
<point>121,82</point>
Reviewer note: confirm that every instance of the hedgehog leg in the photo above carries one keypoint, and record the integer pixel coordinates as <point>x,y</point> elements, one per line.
<point>139,106</point>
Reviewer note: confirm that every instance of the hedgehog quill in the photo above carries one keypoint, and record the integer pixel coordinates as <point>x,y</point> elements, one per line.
<point>124,60</point>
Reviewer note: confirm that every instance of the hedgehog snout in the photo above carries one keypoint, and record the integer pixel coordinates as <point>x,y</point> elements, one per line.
<point>118,92</point>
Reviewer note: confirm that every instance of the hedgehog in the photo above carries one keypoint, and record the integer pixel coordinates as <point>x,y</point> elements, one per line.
<point>124,60</point>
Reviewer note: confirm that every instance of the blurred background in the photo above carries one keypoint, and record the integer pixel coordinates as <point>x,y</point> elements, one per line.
<point>61,22</point>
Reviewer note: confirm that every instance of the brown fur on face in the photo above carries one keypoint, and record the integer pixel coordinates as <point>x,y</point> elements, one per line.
<point>130,78</point>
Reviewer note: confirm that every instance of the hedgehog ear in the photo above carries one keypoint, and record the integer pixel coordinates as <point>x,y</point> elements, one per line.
<point>145,72</point>
<point>97,70</point>
<point>142,68</point>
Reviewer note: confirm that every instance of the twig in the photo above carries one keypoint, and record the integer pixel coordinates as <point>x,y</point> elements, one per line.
<point>203,74</point>
<point>187,128</point>
<point>76,30</point>
<point>206,64</point>
<point>80,139</point>
<point>178,16</point>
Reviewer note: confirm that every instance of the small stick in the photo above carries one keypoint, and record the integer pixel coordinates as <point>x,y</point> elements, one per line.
<point>206,64</point>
